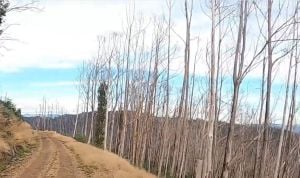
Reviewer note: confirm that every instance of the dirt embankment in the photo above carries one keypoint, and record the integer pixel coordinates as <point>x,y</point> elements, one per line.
<point>16,140</point>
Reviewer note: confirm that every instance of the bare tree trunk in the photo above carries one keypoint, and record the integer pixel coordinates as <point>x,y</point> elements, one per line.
<point>279,151</point>
<point>292,111</point>
<point>94,75</point>
<point>212,97</point>
<point>188,17</point>
<point>76,120</point>
<point>258,142</point>
<point>123,134</point>
<point>87,93</point>
<point>115,107</point>
<point>237,80</point>
<point>268,94</point>
<point>166,128</point>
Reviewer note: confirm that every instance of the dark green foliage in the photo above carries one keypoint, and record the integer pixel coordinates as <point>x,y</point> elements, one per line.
<point>3,9</point>
<point>22,151</point>
<point>2,166</point>
<point>9,109</point>
<point>101,114</point>
<point>80,138</point>
<point>18,153</point>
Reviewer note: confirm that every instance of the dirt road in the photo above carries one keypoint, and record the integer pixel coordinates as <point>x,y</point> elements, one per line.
<point>51,159</point>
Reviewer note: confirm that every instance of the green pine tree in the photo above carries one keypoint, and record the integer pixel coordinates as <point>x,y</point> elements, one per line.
<point>101,114</point>
<point>3,9</point>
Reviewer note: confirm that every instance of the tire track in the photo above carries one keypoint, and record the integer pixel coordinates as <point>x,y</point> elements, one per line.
<point>52,168</point>
<point>38,164</point>
<point>67,164</point>
<point>51,160</point>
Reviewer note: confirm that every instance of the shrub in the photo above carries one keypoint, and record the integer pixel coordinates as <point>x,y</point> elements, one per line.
<point>80,138</point>
<point>9,109</point>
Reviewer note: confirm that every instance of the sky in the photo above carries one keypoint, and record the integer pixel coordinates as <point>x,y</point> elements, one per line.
<point>48,44</point>
<point>43,48</point>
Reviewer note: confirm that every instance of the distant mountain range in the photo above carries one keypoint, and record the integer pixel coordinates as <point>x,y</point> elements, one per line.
<point>296,128</point>
<point>35,115</point>
<point>28,117</point>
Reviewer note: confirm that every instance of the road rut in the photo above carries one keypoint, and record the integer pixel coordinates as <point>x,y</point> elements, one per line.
<point>51,160</point>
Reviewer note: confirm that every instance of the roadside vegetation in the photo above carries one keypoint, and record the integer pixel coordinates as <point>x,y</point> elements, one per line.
<point>17,139</point>
<point>9,109</point>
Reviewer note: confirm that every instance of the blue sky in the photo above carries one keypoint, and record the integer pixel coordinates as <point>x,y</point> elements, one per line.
<point>27,87</point>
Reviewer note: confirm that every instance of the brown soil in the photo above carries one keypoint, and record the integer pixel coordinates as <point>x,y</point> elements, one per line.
<point>51,159</point>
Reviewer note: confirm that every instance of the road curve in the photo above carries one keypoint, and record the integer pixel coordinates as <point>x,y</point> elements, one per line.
<point>51,160</point>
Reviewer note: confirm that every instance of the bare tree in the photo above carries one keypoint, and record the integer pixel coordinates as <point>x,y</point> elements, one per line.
<point>212,95</point>
<point>237,80</point>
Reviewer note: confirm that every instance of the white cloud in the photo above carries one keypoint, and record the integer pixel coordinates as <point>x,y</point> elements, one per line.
<point>64,33</point>
<point>54,84</point>
<point>30,105</point>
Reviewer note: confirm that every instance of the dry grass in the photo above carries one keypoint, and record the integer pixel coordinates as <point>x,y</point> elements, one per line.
<point>22,132</point>
<point>4,147</point>
<point>16,139</point>
<point>99,163</point>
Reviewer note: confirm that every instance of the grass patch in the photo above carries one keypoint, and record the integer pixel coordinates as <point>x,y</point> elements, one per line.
<point>2,166</point>
<point>80,138</point>
<point>88,170</point>
<point>20,153</point>
<point>23,151</point>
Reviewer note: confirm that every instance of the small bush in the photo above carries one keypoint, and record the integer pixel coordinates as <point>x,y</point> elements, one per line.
<point>2,166</point>
<point>22,151</point>
<point>9,109</point>
<point>80,138</point>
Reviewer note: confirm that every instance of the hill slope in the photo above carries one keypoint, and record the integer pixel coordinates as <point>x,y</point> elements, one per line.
<point>16,138</point>
<point>99,163</point>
